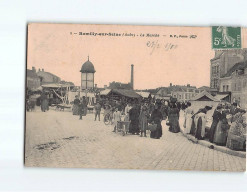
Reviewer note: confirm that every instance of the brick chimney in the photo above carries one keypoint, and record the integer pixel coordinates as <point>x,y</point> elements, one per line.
<point>132,76</point>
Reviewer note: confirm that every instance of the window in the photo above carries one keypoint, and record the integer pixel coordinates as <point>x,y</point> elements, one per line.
<point>213,70</point>
<point>224,88</point>
<point>227,88</point>
<point>235,86</point>
<point>239,86</point>
<point>244,83</point>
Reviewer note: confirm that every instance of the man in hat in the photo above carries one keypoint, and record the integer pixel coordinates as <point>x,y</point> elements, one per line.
<point>97,111</point>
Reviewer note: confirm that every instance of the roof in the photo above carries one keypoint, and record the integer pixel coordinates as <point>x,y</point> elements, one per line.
<point>221,96</point>
<point>204,96</point>
<point>217,55</point>
<point>238,66</point>
<point>204,87</point>
<point>42,72</point>
<point>105,92</point>
<point>126,92</point>
<point>87,67</point>
<point>163,98</point>
<point>32,74</point>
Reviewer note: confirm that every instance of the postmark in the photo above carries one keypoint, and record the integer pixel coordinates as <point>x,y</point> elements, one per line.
<point>226,37</point>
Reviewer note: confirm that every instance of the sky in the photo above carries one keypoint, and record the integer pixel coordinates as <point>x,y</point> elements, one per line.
<point>161,55</point>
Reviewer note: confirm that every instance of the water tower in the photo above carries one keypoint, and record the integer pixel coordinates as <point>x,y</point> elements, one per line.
<point>87,75</point>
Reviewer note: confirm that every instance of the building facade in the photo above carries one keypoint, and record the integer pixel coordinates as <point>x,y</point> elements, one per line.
<point>47,77</point>
<point>235,82</point>
<point>222,62</point>
<point>33,80</point>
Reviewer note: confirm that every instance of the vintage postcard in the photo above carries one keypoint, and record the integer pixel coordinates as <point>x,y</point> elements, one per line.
<point>136,97</point>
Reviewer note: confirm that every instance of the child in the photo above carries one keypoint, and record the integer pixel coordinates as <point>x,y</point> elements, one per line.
<point>144,116</point>
<point>116,118</point>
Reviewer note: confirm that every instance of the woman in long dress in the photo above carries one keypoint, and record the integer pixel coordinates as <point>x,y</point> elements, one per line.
<point>200,122</point>
<point>156,117</point>
<point>44,102</point>
<point>134,120</point>
<point>76,106</point>
<point>173,117</point>
<point>221,131</point>
<point>216,118</point>
<point>188,119</point>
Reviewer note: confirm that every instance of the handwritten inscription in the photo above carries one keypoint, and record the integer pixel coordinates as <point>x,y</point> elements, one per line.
<point>155,45</point>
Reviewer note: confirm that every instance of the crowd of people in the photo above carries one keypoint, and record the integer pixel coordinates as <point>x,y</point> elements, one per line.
<point>228,126</point>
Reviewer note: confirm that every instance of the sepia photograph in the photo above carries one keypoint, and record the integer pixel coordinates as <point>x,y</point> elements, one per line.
<point>136,97</point>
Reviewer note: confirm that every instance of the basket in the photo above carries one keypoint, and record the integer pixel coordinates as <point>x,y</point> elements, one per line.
<point>152,127</point>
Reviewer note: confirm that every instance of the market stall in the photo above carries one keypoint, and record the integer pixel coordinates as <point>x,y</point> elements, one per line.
<point>205,99</point>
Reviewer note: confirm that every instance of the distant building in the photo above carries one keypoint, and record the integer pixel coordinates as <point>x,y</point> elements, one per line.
<point>47,77</point>
<point>87,75</point>
<point>222,62</point>
<point>118,85</point>
<point>66,83</point>
<point>33,80</point>
<point>181,92</point>
<point>235,82</point>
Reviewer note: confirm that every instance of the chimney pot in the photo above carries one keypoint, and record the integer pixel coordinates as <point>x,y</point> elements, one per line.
<point>33,69</point>
<point>132,76</point>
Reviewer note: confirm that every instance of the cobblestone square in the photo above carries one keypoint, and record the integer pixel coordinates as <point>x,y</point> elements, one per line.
<point>59,139</point>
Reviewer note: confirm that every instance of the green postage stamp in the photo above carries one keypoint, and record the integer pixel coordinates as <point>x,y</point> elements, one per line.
<point>226,37</point>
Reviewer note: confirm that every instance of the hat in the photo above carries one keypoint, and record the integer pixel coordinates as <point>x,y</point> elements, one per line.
<point>219,107</point>
<point>173,100</point>
<point>208,107</point>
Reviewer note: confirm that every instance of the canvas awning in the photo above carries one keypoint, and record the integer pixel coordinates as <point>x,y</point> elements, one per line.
<point>56,85</point>
<point>204,96</point>
<point>105,92</point>
<point>143,94</point>
<point>126,92</point>
<point>162,98</point>
<point>221,96</point>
